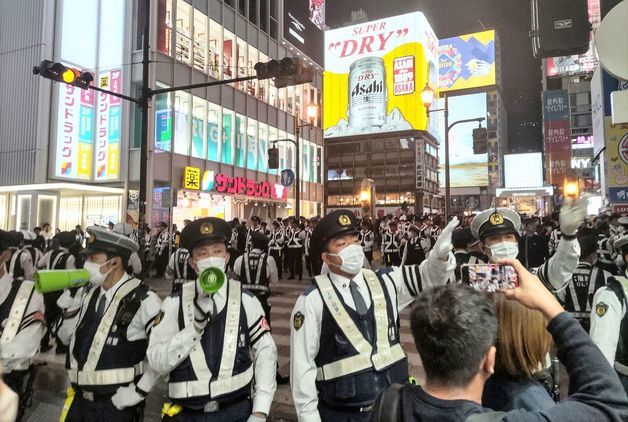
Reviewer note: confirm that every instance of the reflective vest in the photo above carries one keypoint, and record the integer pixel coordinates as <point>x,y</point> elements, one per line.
<point>12,312</point>
<point>275,240</point>
<point>294,241</point>
<point>364,237</point>
<point>58,259</point>
<point>15,265</point>
<point>578,295</point>
<point>390,242</point>
<point>219,367</point>
<point>255,277</point>
<point>619,286</point>
<point>359,355</point>
<point>101,357</point>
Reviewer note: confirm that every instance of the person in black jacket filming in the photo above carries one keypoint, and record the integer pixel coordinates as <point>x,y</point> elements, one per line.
<point>455,329</point>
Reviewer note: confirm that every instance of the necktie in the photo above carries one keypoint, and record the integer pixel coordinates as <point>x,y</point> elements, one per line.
<point>100,308</point>
<point>360,306</point>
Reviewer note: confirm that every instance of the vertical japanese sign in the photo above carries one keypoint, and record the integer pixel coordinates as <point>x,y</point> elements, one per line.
<point>107,150</point>
<point>163,123</point>
<point>75,132</point>
<point>557,135</point>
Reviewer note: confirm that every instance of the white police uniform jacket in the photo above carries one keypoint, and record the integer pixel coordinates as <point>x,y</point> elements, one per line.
<point>346,359</point>
<point>234,351</point>
<point>110,351</point>
<point>21,322</point>
<point>609,322</point>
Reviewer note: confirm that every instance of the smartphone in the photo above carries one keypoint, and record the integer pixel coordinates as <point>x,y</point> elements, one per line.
<point>489,277</point>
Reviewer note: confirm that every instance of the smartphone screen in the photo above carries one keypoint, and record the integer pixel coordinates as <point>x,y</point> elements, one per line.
<point>489,277</point>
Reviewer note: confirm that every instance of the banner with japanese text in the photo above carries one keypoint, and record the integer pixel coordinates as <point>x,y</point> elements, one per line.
<point>556,135</point>
<point>108,119</point>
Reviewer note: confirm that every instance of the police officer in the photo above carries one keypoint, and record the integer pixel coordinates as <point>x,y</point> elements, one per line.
<point>312,260</point>
<point>162,249</point>
<point>179,269</point>
<point>498,230</point>
<point>294,249</point>
<point>21,265</point>
<point>413,251</point>
<point>56,259</point>
<point>337,373</point>
<point>461,238</point>
<point>254,228</point>
<point>21,321</point>
<point>367,239</point>
<point>576,298</point>
<point>275,245</point>
<point>391,240</point>
<point>606,255</point>
<point>609,323</point>
<point>214,347</point>
<point>256,270</point>
<point>135,263</point>
<point>107,348</point>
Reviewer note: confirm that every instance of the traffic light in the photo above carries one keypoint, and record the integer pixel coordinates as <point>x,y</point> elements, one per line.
<point>273,158</point>
<point>285,72</point>
<point>59,72</point>
<point>480,140</point>
<point>571,188</point>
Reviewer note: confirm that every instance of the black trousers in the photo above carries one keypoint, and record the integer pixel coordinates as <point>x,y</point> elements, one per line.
<point>161,262</point>
<point>83,410</point>
<point>51,314</point>
<point>334,415</point>
<point>295,262</point>
<point>392,259</point>
<point>276,254</point>
<point>315,263</point>
<point>308,265</point>
<point>238,412</point>
<point>369,256</point>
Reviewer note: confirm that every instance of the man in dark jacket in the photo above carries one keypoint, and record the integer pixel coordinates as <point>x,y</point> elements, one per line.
<point>455,329</point>
<point>533,248</point>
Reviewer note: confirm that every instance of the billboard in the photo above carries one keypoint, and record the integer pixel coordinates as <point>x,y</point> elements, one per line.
<point>617,148</point>
<point>466,61</point>
<point>523,170</point>
<point>107,147</point>
<point>579,63</point>
<point>556,135</point>
<point>374,73</point>
<point>304,26</point>
<point>466,169</point>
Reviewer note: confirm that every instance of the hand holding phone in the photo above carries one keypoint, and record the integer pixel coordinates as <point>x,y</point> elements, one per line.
<point>489,277</point>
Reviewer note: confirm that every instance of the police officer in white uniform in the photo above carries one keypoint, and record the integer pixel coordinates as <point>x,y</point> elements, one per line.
<point>336,373</point>
<point>135,263</point>
<point>499,228</point>
<point>106,360</point>
<point>214,348</point>
<point>275,245</point>
<point>609,319</point>
<point>21,320</point>
<point>367,239</point>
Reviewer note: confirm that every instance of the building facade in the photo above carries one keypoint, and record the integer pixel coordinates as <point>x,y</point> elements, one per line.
<point>71,157</point>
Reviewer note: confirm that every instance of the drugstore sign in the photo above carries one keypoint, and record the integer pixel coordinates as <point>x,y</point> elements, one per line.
<point>222,183</point>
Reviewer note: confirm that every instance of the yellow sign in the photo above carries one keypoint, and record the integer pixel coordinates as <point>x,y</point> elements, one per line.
<point>374,74</point>
<point>192,178</point>
<point>617,147</point>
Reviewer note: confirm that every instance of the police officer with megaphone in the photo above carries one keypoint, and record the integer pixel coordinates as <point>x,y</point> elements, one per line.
<point>212,339</point>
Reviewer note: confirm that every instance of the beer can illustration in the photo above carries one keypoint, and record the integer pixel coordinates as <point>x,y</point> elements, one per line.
<point>368,101</point>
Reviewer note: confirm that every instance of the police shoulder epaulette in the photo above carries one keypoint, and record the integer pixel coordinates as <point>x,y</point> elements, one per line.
<point>247,292</point>
<point>384,270</point>
<point>616,287</point>
<point>309,290</point>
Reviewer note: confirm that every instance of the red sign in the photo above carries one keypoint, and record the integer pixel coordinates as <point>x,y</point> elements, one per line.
<point>403,75</point>
<point>620,208</point>
<point>249,187</point>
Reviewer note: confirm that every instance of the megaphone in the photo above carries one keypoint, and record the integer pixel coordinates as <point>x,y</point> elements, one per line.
<point>212,279</point>
<point>47,281</point>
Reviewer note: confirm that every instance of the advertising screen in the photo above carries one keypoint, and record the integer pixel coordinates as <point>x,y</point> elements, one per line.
<point>374,74</point>
<point>579,63</point>
<point>304,26</point>
<point>466,169</point>
<point>523,170</point>
<point>467,61</point>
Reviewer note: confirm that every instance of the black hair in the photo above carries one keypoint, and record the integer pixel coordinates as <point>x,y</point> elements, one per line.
<point>125,260</point>
<point>453,327</point>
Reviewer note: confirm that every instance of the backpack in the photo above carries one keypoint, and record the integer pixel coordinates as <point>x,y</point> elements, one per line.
<point>389,408</point>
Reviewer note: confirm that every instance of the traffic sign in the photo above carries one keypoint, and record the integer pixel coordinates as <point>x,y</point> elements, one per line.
<point>287,177</point>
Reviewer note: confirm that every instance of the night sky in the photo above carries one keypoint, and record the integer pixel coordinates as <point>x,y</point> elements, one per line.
<point>521,72</point>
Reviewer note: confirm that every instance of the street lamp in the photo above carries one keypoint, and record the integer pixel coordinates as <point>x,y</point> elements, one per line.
<point>427,98</point>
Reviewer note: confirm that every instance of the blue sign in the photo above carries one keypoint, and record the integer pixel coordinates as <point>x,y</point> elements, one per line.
<point>618,194</point>
<point>287,177</point>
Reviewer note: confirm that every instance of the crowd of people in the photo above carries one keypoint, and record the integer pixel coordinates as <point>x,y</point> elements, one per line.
<point>487,356</point>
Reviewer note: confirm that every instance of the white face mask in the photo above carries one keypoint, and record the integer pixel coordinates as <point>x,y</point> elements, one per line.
<point>503,250</point>
<point>209,262</point>
<point>352,259</point>
<point>96,278</point>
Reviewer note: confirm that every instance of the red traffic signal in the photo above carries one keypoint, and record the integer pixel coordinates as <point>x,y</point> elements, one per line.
<point>273,158</point>
<point>59,72</point>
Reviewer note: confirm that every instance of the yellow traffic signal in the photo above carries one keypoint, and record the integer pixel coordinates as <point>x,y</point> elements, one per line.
<point>59,72</point>
<point>571,188</point>
<point>69,76</point>
<point>364,195</point>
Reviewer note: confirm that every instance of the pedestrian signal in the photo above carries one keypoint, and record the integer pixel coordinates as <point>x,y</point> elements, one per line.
<point>273,158</point>
<point>59,72</point>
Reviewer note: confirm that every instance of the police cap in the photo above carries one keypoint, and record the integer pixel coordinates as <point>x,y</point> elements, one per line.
<point>259,241</point>
<point>495,221</point>
<point>338,222</point>
<point>102,240</point>
<point>621,244</point>
<point>205,231</point>
<point>66,239</point>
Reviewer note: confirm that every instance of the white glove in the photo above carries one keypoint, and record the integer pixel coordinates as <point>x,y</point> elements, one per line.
<point>443,245</point>
<point>572,215</point>
<point>254,418</point>
<point>126,397</point>
<point>203,311</point>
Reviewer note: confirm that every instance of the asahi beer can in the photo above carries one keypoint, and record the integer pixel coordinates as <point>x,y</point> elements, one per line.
<point>367,93</point>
